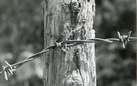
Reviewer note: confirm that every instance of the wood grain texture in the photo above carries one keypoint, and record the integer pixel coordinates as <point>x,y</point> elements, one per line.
<point>60,68</point>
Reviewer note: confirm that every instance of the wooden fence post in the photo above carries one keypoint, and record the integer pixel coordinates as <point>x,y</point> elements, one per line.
<point>61,68</point>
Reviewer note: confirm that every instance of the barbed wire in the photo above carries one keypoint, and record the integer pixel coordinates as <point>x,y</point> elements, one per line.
<point>123,39</point>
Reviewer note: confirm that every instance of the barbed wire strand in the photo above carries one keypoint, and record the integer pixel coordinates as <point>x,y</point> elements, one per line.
<point>9,69</point>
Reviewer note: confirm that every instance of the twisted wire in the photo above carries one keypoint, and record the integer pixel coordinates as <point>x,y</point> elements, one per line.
<point>9,69</point>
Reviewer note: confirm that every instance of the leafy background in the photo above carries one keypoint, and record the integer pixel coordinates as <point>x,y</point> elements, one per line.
<point>21,35</point>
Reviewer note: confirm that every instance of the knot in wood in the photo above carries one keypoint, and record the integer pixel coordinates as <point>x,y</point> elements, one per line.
<point>74,5</point>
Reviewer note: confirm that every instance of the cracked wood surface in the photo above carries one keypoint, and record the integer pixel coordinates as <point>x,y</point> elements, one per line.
<point>60,68</point>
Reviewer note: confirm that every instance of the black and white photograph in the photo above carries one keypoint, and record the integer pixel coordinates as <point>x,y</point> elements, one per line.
<point>68,42</point>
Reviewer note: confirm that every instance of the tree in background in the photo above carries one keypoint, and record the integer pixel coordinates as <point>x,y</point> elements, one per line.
<point>21,29</point>
<point>115,66</point>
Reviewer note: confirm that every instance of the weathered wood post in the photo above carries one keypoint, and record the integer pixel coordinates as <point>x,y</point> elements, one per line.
<point>61,68</point>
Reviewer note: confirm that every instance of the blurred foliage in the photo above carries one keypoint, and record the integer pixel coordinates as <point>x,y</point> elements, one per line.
<point>21,35</point>
<point>115,66</point>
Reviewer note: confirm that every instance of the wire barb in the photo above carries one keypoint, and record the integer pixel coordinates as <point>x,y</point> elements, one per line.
<point>123,39</point>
